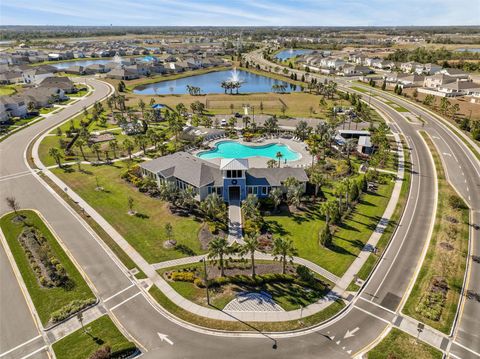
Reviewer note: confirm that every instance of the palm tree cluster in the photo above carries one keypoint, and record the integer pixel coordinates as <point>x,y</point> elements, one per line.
<point>229,85</point>
<point>328,88</point>
<point>219,251</point>
<point>194,90</point>
<point>279,87</point>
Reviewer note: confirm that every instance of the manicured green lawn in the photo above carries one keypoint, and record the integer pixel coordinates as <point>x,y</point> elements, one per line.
<point>46,300</point>
<point>145,232</point>
<point>7,90</point>
<point>321,316</point>
<point>398,344</point>
<point>46,110</point>
<point>82,343</point>
<point>303,229</point>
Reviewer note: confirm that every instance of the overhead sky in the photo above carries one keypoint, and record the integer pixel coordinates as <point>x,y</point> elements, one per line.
<point>240,12</point>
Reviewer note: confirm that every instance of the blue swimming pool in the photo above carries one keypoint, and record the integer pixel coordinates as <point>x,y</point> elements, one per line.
<point>232,149</point>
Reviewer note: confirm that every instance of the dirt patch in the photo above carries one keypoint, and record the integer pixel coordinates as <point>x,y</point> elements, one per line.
<point>205,236</point>
<point>446,246</point>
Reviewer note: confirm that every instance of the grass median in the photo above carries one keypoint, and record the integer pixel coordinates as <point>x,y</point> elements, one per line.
<point>398,344</point>
<point>48,299</point>
<point>436,293</point>
<point>98,334</point>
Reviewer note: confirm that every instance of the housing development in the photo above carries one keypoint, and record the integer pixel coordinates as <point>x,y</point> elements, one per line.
<point>251,180</point>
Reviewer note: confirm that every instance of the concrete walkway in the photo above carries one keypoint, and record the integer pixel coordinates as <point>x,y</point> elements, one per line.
<point>382,224</point>
<point>235,232</point>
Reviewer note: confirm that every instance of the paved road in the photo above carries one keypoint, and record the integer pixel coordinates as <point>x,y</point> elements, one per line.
<point>142,321</point>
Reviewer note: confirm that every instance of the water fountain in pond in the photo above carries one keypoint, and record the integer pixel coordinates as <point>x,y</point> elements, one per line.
<point>234,76</point>
<point>117,59</point>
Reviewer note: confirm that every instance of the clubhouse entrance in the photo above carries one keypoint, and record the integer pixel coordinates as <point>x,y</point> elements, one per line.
<point>233,193</point>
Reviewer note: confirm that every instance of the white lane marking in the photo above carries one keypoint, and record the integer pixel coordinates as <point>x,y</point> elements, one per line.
<point>377,305</point>
<point>351,333</point>
<point>20,345</point>
<point>447,154</point>
<point>34,352</point>
<point>164,338</point>
<point>119,292</point>
<point>372,315</point>
<point>126,300</point>
<point>466,348</point>
<point>14,176</point>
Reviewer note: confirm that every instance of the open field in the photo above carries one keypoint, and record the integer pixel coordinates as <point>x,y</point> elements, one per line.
<point>435,295</point>
<point>47,300</point>
<point>83,343</point>
<point>144,231</point>
<point>398,344</point>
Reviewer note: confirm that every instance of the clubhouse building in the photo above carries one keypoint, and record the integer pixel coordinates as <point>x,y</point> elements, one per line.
<point>232,179</point>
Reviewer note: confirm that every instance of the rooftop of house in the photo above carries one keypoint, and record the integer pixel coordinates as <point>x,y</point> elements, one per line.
<point>234,164</point>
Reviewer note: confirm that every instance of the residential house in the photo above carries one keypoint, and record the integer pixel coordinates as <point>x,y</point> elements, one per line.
<point>427,69</point>
<point>43,96</point>
<point>459,88</point>
<point>96,69</point>
<point>122,74</point>
<point>13,106</point>
<point>355,70</point>
<point>232,179</point>
<point>437,80</point>
<point>75,70</point>
<point>409,66</point>
<point>413,80</point>
<point>455,73</point>
<point>11,77</point>
<point>36,75</point>
<point>63,83</point>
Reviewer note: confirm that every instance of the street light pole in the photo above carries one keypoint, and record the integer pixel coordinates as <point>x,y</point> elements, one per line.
<point>206,278</point>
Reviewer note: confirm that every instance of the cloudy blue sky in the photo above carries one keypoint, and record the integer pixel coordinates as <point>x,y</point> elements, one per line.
<point>240,12</point>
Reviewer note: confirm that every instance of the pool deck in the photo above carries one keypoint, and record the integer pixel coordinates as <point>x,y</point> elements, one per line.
<point>261,162</point>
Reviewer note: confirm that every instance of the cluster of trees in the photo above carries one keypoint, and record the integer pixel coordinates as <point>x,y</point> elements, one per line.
<point>328,88</point>
<point>424,55</point>
<point>231,85</point>
<point>194,90</point>
<point>219,250</point>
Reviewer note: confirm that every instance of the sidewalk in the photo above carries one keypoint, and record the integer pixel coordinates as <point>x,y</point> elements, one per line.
<point>235,232</point>
<point>377,234</point>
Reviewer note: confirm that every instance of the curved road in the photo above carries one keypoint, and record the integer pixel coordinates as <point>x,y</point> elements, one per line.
<point>377,306</point>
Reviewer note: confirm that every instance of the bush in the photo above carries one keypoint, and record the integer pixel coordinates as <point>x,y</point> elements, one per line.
<point>305,274</point>
<point>456,202</point>
<point>73,307</point>
<point>183,276</point>
<point>199,283</point>
<point>102,353</point>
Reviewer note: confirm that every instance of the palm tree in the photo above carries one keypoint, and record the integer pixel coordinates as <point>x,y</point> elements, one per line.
<point>283,248</point>
<point>79,143</point>
<point>187,198</point>
<point>271,163</point>
<point>113,144</point>
<point>249,247</point>
<point>271,124</point>
<point>128,146</point>
<point>218,247</point>
<point>276,196</point>
<point>317,179</point>
<point>327,208</point>
<point>142,105</point>
<point>279,156</point>
<point>250,206</point>
<point>96,148</point>
<point>56,155</point>
<point>347,184</point>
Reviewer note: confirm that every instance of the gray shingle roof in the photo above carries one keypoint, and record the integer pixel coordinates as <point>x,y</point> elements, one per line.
<point>185,167</point>
<point>274,176</point>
